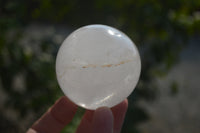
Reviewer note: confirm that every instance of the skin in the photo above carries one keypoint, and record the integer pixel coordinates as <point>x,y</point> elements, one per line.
<point>102,120</point>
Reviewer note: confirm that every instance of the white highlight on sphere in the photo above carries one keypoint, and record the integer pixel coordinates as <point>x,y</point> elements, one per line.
<point>97,65</point>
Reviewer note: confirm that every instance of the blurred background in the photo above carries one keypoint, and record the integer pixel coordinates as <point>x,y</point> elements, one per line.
<point>167,34</point>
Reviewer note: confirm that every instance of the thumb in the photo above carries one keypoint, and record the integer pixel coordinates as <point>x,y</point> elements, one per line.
<point>102,121</point>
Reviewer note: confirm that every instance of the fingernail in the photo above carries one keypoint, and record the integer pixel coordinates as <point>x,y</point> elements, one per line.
<point>103,120</point>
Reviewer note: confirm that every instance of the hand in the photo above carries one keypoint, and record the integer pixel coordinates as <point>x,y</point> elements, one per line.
<point>102,120</point>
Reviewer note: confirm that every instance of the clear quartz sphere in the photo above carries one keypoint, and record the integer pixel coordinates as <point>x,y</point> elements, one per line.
<point>97,65</point>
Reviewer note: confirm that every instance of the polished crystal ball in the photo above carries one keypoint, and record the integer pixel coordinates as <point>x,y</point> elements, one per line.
<point>97,66</point>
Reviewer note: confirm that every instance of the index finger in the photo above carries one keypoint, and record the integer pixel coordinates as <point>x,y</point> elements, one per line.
<point>57,117</point>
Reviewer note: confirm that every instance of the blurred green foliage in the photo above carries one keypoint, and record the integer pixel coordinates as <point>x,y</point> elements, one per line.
<point>159,28</point>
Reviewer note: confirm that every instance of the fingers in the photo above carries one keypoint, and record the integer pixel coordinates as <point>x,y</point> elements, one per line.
<point>85,125</point>
<point>31,131</point>
<point>61,113</point>
<point>102,121</point>
<point>55,119</point>
<point>119,113</point>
